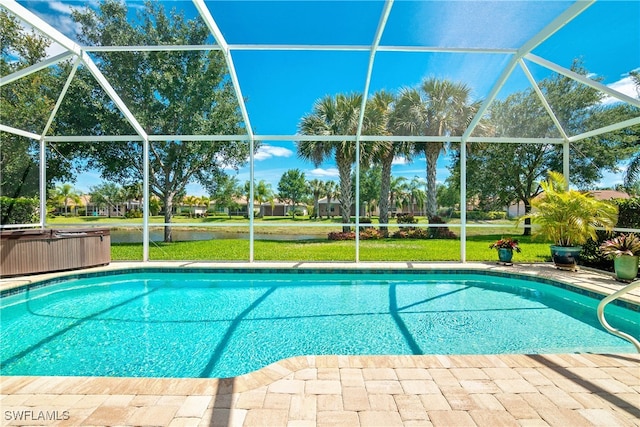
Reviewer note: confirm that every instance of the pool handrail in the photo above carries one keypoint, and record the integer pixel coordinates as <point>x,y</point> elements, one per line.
<point>631,286</point>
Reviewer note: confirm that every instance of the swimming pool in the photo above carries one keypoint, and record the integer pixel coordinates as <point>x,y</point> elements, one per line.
<point>217,324</point>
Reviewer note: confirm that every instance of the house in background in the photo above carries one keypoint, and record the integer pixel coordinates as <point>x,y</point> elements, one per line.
<point>517,209</point>
<point>280,208</point>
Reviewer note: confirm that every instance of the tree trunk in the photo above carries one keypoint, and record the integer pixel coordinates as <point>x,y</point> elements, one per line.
<point>316,207</point>
<point>385,186</point>
<point>344,169</point>
<point>433,152</point>
<point>168,207</point>
<point>527,221</point>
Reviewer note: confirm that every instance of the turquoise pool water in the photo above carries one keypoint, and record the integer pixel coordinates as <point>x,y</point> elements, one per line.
<point>220,325</point>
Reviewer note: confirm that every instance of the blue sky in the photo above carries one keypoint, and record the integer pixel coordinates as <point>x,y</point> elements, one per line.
<point>281,86</point>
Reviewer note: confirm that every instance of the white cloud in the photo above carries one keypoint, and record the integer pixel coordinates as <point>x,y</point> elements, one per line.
<point>327,173</point>
<point>269,151</point>
<point>400,161</point>
<point>624,86</point>
<point>60,7</point>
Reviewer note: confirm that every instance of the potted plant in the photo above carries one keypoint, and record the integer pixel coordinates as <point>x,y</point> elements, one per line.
<point>568,218</point>
<point>505,247</point>
<point>625,251</point>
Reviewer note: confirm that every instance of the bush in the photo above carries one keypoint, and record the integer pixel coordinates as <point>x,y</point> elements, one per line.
<point>497,215</point>
<point>628,212</point>
<point>363,220</point>
<point>342,235</point>
<point>133,213</point>
<point>439,232</point>
<point>21,210</point>
<point>411,233</point>
<point>368,233</point>
<point>481,215</point>
<point>406,218</point>
<point>628,217</point>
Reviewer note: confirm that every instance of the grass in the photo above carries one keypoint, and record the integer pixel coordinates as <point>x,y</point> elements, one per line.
<point>279,225</point>
<point>325,250</point>
<point>480,234</point>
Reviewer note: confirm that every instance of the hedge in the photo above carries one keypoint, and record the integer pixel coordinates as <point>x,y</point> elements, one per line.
<point>481,215</point>
<point>21,210</point>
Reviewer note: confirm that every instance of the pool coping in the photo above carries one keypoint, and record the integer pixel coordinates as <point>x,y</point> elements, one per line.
<point>586,281</point>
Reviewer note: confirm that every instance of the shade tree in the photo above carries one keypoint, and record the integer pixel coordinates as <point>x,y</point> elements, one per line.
<point>293,188</point>
<point>508,173</point>
<point>26,104</point>
<point>169,93</point>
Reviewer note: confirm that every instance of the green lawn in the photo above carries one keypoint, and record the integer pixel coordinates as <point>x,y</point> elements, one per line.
<point>280,225</point>
<point>480,234</point>
<point>325,250</point>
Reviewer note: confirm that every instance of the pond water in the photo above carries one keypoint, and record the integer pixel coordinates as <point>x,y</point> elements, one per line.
<point>129,236</point>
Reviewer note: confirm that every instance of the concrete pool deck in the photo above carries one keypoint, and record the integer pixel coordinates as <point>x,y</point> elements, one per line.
<point>483,390</point>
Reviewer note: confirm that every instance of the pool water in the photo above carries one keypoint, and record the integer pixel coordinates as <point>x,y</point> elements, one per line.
<point>221,325</point>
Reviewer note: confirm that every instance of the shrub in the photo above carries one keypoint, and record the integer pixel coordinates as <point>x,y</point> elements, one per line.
<point>133,213</point>
<point>439,232</point>
<point>363,222</point>
<point>481,215</point>
<point>411,233</point>
<point>370,233</point>
<point>628,217</point>
<point>493,215</point>
<point>21,210</point>
<point>342,235</point>
<point>406,218</point>
<point>628,212</point>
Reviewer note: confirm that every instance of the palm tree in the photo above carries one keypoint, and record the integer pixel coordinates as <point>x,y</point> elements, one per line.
<point>440,108</point>
<point>65,193</point>
<point>382,106</point>
<point>316,187</point>
<point>415,193</point>
<point>205,201</point>
<point>632,175</point>
<point>333,116</point>
<point>191,201</point>
<point>331,191</point>
<point>396,188</point>
<point>263,193</point>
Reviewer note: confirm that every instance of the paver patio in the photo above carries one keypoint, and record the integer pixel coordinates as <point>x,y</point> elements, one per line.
<point>502,390</point>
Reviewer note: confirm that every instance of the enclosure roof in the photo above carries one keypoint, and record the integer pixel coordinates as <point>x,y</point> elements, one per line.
<point>284,55</point>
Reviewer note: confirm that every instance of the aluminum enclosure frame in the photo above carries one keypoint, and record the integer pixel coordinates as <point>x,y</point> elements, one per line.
<point>79,56</point>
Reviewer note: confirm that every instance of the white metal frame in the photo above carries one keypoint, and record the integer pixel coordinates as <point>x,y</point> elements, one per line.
<point>517,57</point>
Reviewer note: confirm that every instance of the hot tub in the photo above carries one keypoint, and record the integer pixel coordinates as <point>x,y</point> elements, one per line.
<point>45,250</point>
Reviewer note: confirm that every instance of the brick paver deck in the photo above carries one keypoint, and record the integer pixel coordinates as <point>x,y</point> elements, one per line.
<point>503,390</point>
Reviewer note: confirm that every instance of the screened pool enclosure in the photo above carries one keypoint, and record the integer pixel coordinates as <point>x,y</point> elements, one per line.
<point>180,100</point>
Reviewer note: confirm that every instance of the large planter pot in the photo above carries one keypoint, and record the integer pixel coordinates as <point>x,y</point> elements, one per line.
<point>566,257</point>
<point>626,267</point>
<point>505,255</point>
